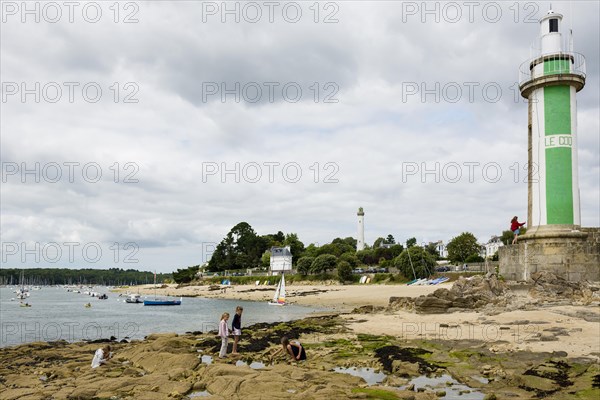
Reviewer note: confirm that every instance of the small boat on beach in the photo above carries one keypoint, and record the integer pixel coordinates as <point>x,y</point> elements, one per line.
<point>279,296</point>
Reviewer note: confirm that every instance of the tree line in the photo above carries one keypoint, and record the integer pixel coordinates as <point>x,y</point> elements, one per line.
<point>242,248</point>
<point>88,276</point>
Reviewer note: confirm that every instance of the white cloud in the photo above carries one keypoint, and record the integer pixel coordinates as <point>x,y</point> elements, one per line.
<point>377,130</point>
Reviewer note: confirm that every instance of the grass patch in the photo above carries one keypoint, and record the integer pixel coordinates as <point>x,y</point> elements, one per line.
<point>467,355</point>
<point>345,354</point>
<point>338,343</point>
<point>588,394</point>
<point>376,393</point>
<point>372,342</point>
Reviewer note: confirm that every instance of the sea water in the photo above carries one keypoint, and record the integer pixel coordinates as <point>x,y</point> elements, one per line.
<point>56,314</point>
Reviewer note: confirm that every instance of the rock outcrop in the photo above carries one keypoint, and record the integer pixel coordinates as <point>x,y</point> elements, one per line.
<point>466,294</point>
<point>550,287</point>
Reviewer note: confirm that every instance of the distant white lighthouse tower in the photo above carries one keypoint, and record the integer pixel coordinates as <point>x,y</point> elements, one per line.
<point>550,81</point>
<point>360,244</point>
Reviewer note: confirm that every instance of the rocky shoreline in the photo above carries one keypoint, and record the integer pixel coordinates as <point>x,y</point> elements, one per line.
<point>478,339</point>
<point>180,366</point>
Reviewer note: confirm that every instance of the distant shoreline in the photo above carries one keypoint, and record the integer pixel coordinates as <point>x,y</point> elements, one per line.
<point>337,297</point>
<point>479,326</point>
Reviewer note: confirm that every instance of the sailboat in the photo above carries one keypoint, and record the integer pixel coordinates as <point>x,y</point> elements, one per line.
<point>161,302</point>
<point>279,296</point>
<point>22,292</point>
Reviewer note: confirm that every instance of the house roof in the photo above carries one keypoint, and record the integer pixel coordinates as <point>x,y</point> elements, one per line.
<point>280,252</point>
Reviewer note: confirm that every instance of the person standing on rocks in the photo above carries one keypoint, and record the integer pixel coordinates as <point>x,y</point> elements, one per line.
<point>236,327</point>
<point>515,227</point>
<point>224,333</point>
<point>101,356</point>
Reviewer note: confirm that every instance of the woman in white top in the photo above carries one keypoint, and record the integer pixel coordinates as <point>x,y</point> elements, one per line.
<point>101,356</point>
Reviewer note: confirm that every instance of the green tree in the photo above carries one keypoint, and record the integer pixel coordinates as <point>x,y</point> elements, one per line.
<point>311,250</point>
<point>431,248</point>
<point>367,256</point>
<point>411,242</point>
<point>185,275</point>
<point>240,249</point>
<point>304,264</point>
<point>396,250</point>
<point>351,259</point>
<point>266,259</point>
<point>344,271</point>
<point>335,248</point>
<point>462,246</point>
<point>390,239</point>
<point>417,259</point>
<point>350,241</point>
<point>296,246</point>
<point>323,263</point>
<point>474,258</point>
<point>378,242</point>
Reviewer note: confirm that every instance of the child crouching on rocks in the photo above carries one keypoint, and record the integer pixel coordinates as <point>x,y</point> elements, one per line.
<point>293,348</point>
<point>101,356</point>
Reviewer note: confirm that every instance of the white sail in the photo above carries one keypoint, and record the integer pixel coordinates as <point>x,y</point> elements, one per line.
<point>281,298</point>
<point>276,295</point>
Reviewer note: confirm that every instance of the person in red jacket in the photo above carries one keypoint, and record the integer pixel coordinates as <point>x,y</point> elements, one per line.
<point>515,227</point>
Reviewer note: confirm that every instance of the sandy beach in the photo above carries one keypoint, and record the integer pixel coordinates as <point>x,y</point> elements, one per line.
<point>374,341</point>
<point>578,327</point>
<point>342,298</point>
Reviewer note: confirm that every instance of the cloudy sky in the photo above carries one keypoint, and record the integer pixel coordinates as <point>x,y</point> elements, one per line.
<point>137,135</point>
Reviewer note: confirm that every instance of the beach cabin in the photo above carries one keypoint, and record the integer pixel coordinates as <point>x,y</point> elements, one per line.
<point>281,260</point>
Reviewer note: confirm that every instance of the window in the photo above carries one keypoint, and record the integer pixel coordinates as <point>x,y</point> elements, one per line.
<point>554,25</point>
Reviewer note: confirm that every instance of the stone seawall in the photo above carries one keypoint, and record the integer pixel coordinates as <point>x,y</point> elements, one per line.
<point>574,256</point>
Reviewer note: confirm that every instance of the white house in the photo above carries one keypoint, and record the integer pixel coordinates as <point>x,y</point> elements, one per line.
<point>441,249</point>
<point>492,246</point>
<point>281,259</point>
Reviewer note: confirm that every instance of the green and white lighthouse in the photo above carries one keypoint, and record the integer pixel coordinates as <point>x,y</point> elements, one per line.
<point>550,81</point>
<point>555,242</point>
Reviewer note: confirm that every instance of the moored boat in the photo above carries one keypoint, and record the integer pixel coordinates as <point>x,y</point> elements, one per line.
<point>134,298</point>
<point>162,302</point>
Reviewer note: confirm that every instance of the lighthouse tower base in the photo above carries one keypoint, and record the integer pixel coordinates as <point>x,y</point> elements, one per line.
<point>573,255</point>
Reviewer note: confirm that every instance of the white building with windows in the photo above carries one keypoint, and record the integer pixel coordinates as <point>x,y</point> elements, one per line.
<point>492,246</point>
<point>281,260</point>
<point>441,249</point>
